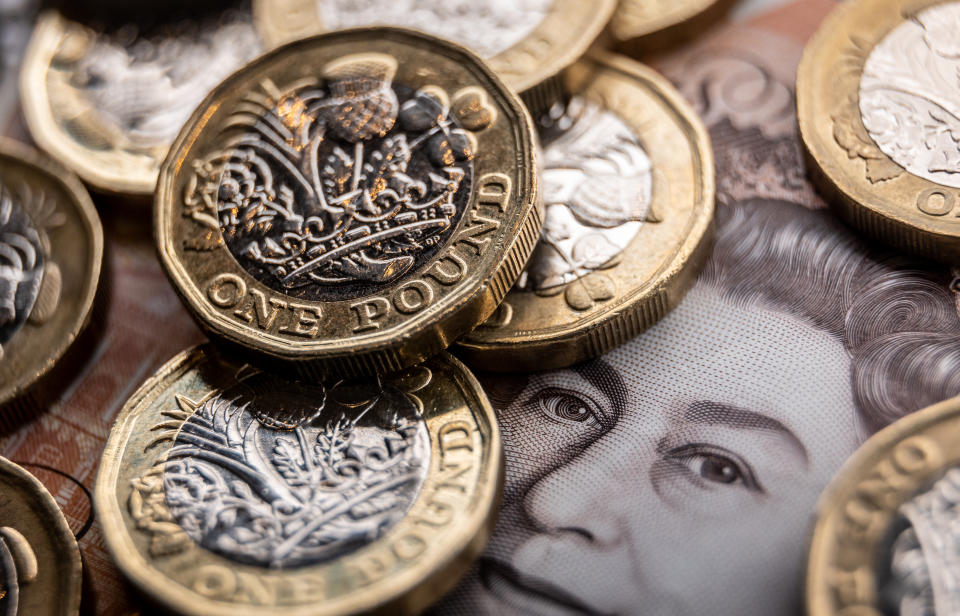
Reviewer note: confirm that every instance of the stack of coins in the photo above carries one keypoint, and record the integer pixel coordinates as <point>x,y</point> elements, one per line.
<point>335,215</point>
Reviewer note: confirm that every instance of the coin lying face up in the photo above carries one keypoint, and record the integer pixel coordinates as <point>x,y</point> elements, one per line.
<point>628,189</point>
<point>39,558</point>
<point>225,490</point>
<point>350,203</point>
<point>878,107</point>
<point>108,104</point>
<point>886,540</point>
<point>527,42</point>
<point>51,246</point>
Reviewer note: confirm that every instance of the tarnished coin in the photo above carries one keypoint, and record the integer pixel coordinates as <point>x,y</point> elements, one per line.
<point>527,42</point>
<point>39,558</point>
<point>878,107</point>
<point>350,203</point>
<point>628,188</point>
<point>885,540</point>
<point>108,105</point>
<point>224,490</point>
<point>51,247</point>
<point>639,25</point>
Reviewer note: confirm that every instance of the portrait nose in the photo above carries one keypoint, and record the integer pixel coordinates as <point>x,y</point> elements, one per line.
<point>580,498</point>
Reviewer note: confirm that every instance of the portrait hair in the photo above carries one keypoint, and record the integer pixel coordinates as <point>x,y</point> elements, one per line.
<point>895,315</point>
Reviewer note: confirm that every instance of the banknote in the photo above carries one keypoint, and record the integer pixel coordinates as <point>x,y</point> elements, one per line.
<point>678,474</point>
<point>16,19</point>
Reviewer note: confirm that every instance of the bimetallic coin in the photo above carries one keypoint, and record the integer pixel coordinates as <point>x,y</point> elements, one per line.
<point>51,247</point>
<point>109,105</point>
<point>39,558</point>
<point>226,490</point>
<point>886,540</point>
<point>879,113</point>
<point>628,189</point>
<point>527,42</point>
<point>641,25</point>
<point>350,203</point>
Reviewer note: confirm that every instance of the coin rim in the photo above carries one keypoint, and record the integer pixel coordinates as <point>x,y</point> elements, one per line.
<point>600,330</point>
<point>88,214</point>
<point>56,525</point>
<point>415,338</point>
<point>409,592</point>
<point>841,489</point>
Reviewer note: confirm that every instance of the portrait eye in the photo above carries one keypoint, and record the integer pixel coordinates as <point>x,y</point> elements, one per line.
<point>715,465</point>
<point>568,406</point>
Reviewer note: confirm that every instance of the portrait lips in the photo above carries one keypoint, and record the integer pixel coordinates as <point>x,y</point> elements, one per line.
<point>526,591</point>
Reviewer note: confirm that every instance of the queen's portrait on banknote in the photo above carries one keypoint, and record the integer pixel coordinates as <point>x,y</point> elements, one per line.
<point>678,474</point>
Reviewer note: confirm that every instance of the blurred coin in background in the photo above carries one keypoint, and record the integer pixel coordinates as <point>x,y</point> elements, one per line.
<point>224,490</point>
<point>107,103</point>
<point>350,203</point>
<point>628,188</point>
<point>39,558</point>
<point>639,26</point>
<point>886,537</point>
<point>879,113</point>
<point>51,247</point>
<point>527,42</point>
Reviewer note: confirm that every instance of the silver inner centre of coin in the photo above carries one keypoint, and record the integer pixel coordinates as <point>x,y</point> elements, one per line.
<point>925,557</point>
<point>910,94</point>
<point>332,187</point>
<point>488,27</point>
<point>597,188</point>
<point>135,92</point>
<point>279,475</point>
<point>21,265</point>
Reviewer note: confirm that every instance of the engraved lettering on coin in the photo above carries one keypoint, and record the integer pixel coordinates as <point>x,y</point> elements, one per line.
<point>131,92</point>
<point>284,475</point>
<point>597,182</point>
<point>21,265</point>
<point>488,27</point>
<point>18,566</point>
<point>925,556</point>
<point>910,97</point>
<point>332,187</point>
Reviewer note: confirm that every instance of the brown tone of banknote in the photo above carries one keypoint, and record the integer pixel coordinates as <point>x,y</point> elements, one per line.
<point>676,475</point>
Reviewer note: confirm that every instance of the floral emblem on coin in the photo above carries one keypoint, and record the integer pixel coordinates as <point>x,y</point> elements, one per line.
<point>282,475</point>
<point>26,291</point>
<point>598,186</point>
<point>330,187</point>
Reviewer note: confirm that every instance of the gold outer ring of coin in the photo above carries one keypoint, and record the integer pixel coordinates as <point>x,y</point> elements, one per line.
<point>70,239</point>
<point>533,67</point>
<point>640,26</point>
<point>869,189</point>
<point>360,326</point>
<point>35,536</point>
<point>582,319</point>
<point>411,563</point>
<point>856,510</point>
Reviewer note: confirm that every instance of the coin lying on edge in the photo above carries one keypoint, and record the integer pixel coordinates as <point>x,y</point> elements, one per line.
<point>628,188</point>
<point>885,540</point>
<point>527,42</point>
<point>107,105</point>
<point>877,103</point>
<point>226,490</point>
<point>51,248</point>
<point>350,203</point>
<point>39,557</point>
